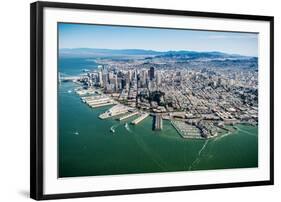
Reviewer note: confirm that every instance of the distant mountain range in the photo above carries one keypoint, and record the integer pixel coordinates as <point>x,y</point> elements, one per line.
<point>182,54</point>
<point>86,52</point>
<point>201,55</point>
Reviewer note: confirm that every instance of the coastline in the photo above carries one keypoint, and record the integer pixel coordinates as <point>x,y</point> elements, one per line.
<point>150,151</point>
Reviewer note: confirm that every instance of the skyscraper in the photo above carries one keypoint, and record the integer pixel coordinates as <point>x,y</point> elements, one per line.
<point>129,75</point>
<point>151,73</point>
<point>115,83</point>
<point>158,78</point>
<point>143,78</point>
<point>100,79</point>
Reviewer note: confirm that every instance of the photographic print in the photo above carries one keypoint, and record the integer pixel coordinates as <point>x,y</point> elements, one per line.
<point>137,100</point>
<point>128,100</point>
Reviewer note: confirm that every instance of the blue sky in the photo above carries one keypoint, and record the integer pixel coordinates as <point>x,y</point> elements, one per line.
<point>120,37</point>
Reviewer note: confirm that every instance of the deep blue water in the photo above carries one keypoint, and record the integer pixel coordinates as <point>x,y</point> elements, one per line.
<point>74,66</point>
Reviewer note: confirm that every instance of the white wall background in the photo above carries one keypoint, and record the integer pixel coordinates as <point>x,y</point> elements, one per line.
<point>14,101</point>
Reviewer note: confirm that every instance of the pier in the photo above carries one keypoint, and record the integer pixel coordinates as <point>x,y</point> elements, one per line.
<point>157,122</point>
<point>128,116</point>
<point>186,130</point>
<point>101,104</point>
<point>114,111</point>
<point>98,101</point>
<point>84,92</point>
<point>140,118</point>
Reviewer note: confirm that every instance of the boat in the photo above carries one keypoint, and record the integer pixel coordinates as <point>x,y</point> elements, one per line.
<point>127,126</point>
<point>76,133</point>
<point>112,130</point>
<point>69,91</point>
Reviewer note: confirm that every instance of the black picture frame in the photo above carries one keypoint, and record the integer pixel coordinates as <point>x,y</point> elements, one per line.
<point>36,98</point>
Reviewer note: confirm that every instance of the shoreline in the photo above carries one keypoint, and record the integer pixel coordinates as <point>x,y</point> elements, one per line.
<point>89,93</point>
<point>168,142</point>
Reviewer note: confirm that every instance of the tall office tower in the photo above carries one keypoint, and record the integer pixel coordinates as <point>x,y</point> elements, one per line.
<point>110,76</point>
<point>143,78</point>
<point>158,78</point>
<point>104,79</point>
<point>127,83</point>
<point>135,75</point>
<point>146,78</point>
<point>119,84</point>
<point>130,75</point>
<point>123,84</point>
<point>100,79</point>
<point>115,83</point>
<point>151,73</point>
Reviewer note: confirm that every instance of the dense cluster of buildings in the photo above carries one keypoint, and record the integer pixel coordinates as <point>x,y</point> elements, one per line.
<point>204,98</point>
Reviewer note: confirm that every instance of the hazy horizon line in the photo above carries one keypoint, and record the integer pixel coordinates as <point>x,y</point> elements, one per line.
<point>163,51</point>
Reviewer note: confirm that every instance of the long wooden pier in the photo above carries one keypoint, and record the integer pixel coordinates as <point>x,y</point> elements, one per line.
<point>140,118</point>
<point>128,116</point>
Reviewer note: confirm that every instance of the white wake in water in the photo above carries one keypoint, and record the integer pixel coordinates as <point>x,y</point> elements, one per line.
<point>112,128</point>
<point>246,132</point>
<point>198,156</point>
<point>222,136</point>
<point>128,128</point>
<point>204,146</point>
<point>74,132</point>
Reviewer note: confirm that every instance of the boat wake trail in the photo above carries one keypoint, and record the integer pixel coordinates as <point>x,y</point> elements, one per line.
<point>246,132</point>
<point>197,159</point>
<point>222,136</point>
<point>128,128</point>
<point>204,146</point>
